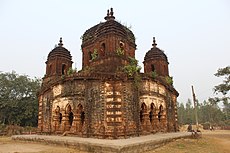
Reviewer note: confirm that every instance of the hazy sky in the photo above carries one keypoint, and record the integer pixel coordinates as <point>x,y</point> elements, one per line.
<point>195,35</point>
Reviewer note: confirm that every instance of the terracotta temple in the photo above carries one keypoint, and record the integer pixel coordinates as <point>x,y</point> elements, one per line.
<point>109,97</point>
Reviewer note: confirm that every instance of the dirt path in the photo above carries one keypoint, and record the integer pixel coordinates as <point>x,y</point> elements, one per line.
<point>211,142</point>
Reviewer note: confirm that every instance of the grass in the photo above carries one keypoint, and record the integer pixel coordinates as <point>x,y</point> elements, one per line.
<point>211,142</point>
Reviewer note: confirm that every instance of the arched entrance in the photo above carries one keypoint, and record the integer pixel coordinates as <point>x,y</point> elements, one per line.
<point>81,113</point>
<point>63,69</point>
<point>152,112</point>
<point>142,112</point>
<point>69,116</point>
<point>160,113</point>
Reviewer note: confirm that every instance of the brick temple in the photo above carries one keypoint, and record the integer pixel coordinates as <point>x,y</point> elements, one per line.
<point>109,97</point>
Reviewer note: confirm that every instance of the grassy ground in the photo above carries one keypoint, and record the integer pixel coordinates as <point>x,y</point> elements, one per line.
<point>211,142</point>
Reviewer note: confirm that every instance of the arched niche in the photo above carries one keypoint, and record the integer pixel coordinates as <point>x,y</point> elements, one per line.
<point>143,111</point>
<point>152,111</point>
<point>70,114</point>
<point>81,112</point>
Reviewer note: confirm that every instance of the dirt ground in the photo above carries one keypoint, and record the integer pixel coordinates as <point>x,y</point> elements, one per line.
<point>211,142</point>
<point>10,146</point>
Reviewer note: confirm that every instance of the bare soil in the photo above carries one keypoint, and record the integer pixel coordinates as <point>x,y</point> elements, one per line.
<point>210,142</point>
<point>10,146</point>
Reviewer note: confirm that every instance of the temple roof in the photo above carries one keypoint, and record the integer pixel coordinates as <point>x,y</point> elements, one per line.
<point>155,53</point>
<point>60,51</point>
<point>109,26</point>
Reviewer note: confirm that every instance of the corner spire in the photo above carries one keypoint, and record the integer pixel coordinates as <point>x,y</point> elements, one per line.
<point>109,15</point>
<point>154,42</point>
<point>60,42</point>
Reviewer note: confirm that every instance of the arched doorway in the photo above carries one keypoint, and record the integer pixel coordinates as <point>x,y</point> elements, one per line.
<point>63,69</point>
<point>81,113</point>
<point>69,115</point>
<point>152,112</point>
<point>142,112</point>
<point>103,49</point>
<point>160,113</point>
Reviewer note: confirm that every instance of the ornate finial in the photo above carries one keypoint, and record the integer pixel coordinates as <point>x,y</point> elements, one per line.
<point>60,42</point>
<point>154,42</point>
<point>111,11</point>
<point>109,15</point>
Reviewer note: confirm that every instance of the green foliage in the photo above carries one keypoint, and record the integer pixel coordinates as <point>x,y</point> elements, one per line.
<point>154,74</point>
<point>119,51</point>
<point>18,100</point>
<point>225,86</point>
<point>133,61</point>
<point>86,37</point>
<point>71,71</point>
<point>223,89</point>
<point>132,68</point>
<point>181,113</point>
<point>94,54</point>
<point>86,69</point>
<point>169,80</point>
<point>208,112</point>
<point>137,80</point>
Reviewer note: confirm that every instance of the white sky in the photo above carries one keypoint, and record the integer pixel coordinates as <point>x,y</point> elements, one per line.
<point>195,35</point>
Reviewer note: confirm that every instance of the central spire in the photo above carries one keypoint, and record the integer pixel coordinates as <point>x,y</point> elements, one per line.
<point>154,42</point>
<point>109,15</point>
<point>60,42</point>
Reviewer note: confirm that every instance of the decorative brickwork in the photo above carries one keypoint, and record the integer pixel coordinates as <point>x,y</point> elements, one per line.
<point>109,97</point>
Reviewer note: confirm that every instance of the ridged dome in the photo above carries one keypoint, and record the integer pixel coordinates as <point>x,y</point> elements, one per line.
<point>60,51</point>
<point>110,26</point>
<point>155,53</point>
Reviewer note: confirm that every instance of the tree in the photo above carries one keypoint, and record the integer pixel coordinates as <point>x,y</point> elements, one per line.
<point>210,112</point>
<point>181,113</point>
<point>18,100</point>
<point>189,113</point>
<point>223,89</point>
<point>225,86</point>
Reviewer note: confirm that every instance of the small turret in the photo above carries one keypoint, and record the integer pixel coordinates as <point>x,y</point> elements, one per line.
<point>59,61</point>
<point>156,61</point>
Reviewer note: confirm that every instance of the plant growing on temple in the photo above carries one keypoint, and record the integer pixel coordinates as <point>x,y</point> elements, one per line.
<point>169,80</point>
<point>94,54</point>
<point>71,71</point>
<point>154,74</point>
<point>137,80</point>
<point>120,51</point>
<point>132,68</point>
<point>86,69</point>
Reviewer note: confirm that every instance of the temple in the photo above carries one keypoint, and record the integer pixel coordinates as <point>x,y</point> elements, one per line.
<point>109,97</point>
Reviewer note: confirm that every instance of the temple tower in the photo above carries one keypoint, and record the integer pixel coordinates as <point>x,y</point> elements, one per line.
<point>156,61</point>
<point>59,61</point>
